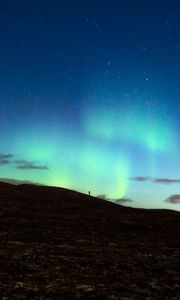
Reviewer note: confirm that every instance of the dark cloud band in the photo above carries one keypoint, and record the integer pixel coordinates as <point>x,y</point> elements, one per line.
<point>30,166</point>
<point>174,199</point>
<point>139,178</point>
<point>5,159</point>
<point>118,201</point>
<point>166,180</point>
<point>123,200</point>
<point>155,180</point>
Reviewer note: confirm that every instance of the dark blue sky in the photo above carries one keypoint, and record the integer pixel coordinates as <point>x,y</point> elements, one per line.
<point>92,86</point>
<point>77,46</point>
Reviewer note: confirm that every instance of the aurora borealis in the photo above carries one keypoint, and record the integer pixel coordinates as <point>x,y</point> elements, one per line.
<point>89,97</point>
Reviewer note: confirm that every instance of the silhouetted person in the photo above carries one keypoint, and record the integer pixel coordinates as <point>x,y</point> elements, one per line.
<point>89,193</point>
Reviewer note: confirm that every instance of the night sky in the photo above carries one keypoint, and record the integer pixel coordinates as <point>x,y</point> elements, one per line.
<point>89,97</point>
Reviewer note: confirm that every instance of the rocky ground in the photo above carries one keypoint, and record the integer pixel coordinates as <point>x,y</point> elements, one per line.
<point>59,244</point>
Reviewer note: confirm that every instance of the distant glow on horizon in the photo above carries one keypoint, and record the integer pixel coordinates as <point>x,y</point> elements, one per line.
<point>117,143</point>
<point>122,175</point>
<point>103,159</point>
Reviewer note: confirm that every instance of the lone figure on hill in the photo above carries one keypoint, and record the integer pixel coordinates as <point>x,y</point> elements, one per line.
<point>89,193</point>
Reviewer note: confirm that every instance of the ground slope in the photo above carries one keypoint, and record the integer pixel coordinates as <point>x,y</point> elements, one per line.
<point>60,244</point>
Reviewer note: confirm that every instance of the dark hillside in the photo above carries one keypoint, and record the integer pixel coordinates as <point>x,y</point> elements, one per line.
<point>61,244</point>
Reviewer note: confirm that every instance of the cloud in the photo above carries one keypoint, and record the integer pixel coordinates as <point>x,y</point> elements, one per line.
<point>117,201</point>
<point>103,196</point>
<point>6,156</point>
<point>166,180</point>
<point>123,201</point>
<point>21,164</point>
<point>174,199</point>
<point>155,180</point>
<point>5,159</point>
<point>16,181</point>
<point>26,165</point>
<point>139,178</point>
<point>31,166</point>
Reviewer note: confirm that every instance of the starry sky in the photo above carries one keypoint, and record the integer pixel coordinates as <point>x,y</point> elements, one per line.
<point>89,97</point>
